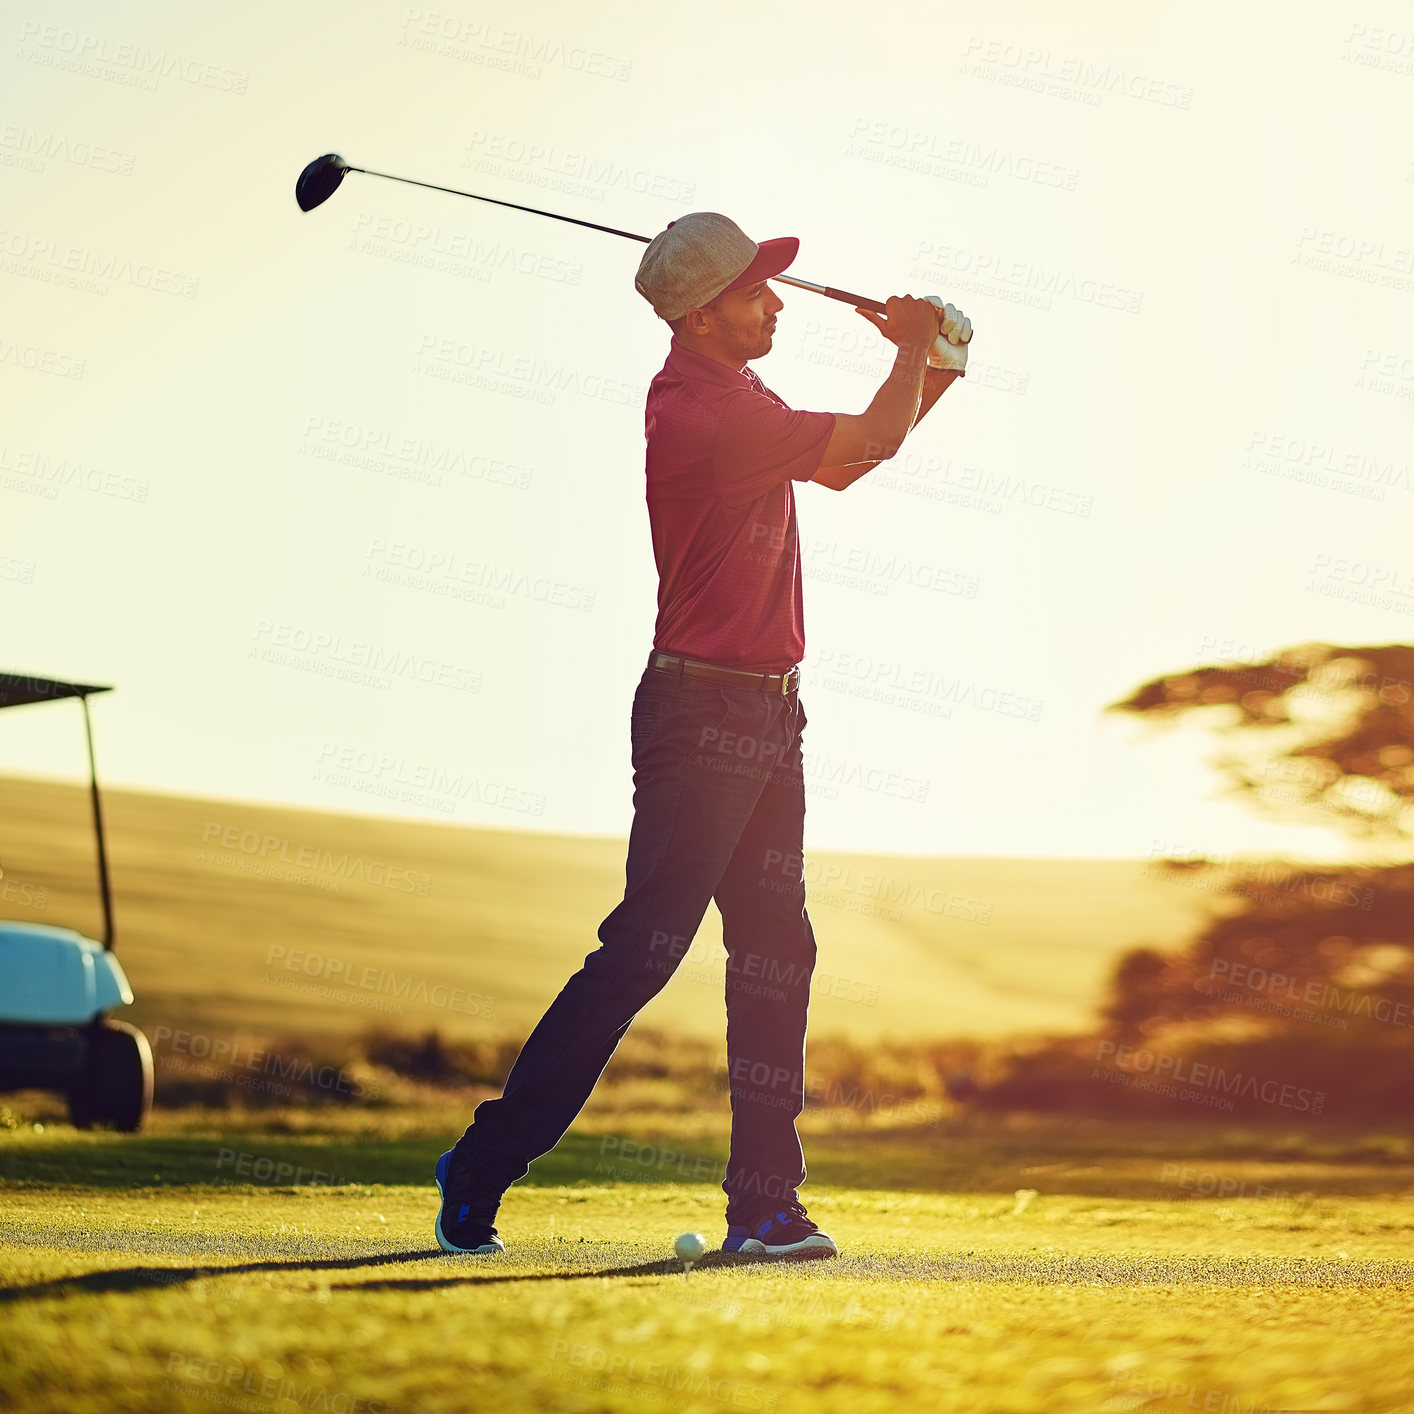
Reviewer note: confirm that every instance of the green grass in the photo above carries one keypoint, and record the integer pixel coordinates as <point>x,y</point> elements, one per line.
<point>137,1276</point>
<point>282,1259</point>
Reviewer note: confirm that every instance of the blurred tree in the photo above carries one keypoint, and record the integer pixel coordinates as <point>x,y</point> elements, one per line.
<point>1317,733</point>
<point>1297,998</point>
<point>1295,949</point>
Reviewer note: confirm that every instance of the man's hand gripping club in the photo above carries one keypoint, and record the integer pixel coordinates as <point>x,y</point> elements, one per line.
<point>909,323</point>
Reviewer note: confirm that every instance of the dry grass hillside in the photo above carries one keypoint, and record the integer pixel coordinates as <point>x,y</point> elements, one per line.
<point>237,917</point>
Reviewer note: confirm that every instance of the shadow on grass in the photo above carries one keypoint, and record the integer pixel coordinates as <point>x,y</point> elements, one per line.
<point>659,1268</point>
<point>136,1279</point>
<point>1062,1270</point>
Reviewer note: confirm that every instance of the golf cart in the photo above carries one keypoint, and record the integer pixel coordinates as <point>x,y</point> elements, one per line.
<point>57,986</point>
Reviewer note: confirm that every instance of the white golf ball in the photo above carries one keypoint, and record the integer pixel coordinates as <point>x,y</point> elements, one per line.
<point>690,1247</point>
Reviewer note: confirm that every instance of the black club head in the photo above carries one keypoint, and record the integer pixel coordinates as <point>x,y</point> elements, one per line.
<point>320,180</point>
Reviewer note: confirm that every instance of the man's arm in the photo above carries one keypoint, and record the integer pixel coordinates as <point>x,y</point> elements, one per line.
<point>936,382</point>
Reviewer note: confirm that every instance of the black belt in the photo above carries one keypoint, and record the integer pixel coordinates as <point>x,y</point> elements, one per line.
<point>779,683</point>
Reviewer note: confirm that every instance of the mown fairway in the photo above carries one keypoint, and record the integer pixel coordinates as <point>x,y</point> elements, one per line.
<point>283,1260</point>
<point>1156,1268</point>
<point>239,918</point>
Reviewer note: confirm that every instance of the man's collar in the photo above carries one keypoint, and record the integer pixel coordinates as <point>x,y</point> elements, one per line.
<point>690,364</point>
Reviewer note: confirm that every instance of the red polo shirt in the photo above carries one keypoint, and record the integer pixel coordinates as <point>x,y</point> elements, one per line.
<point>723,450</point>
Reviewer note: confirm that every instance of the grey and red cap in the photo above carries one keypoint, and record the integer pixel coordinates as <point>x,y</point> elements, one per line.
<point>702,255</point>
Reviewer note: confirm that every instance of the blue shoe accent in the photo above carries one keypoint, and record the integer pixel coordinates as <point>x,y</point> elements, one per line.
<point>736,1235</point>
<point>471,1228</point>
<point>787,1232</point>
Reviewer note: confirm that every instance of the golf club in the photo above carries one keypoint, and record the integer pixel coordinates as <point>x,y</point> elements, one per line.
<point>320,180</point>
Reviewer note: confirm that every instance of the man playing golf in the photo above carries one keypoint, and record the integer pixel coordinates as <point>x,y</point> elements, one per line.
<point>719,799</point>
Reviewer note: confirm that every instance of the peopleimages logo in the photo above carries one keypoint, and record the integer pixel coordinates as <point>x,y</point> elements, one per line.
<point>29,469</point>
<point>54,261</point>
<point>1178,1070</point>
<point>33,150</point>
<point>513,51</point>
<point>1313,993</point>
<point>951,155</point>
<point>121,61</point>
<point>39,359</point>
<point>275,850</point>
<point>352,443</point>
<point>240,1386</point>
<point>220,1058</point>
<point>1065,75</point>
<point>1031,282</point>
<point>906,682</point>
<point>345,973</point>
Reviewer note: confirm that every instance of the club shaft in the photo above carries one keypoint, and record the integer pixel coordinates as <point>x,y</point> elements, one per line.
<point>515,206</point>
<point>860,301</point>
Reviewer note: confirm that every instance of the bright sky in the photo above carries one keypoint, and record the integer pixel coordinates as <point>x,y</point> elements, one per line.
<point>249,452</point>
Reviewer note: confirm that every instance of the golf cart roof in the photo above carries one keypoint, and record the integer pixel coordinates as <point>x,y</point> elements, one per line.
<point>16,689</point>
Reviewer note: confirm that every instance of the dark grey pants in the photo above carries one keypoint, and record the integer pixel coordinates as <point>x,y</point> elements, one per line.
<point>719,813</point>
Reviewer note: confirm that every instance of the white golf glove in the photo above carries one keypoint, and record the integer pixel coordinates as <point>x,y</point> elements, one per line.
<point>950,347</point>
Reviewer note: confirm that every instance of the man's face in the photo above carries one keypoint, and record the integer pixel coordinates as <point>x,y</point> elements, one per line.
<point>743,322</point>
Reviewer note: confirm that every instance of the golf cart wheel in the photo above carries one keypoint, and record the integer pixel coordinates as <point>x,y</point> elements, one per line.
<point>116,1086</point>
